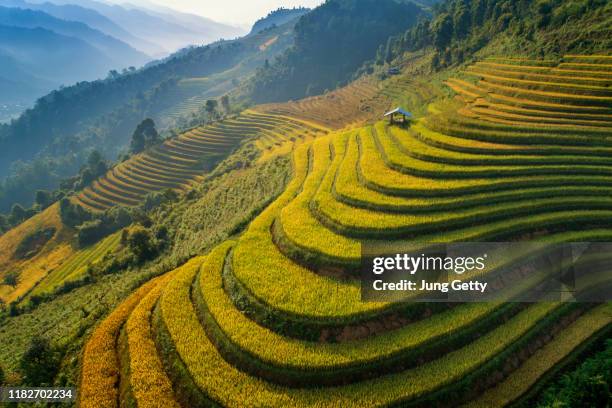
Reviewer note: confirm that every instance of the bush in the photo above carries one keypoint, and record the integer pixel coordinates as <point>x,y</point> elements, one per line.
<point>142,244</point>
<point>72,214</point>
<point>10,279</point>
<point>40,363</point>
<point>103,225</point>
<point>91,232</point>
<point>590,385</point>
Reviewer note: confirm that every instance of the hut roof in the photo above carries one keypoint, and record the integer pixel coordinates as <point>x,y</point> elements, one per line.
<point>400,111</point>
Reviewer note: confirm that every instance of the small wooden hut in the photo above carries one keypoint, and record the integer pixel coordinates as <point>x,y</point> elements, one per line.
<point>398,115</point>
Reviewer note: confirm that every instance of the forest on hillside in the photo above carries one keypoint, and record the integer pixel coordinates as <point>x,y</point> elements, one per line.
<point>331,43</point>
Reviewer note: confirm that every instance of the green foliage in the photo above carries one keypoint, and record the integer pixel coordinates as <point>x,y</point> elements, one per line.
<point>590,385</point>
<point>72,214</point>
<point>102,225</point>
<point>157,198</point>
<point>10,279</point>
<point>90,232</point>
<point>211,108</point>
<point>142,243</point>
<point>43,198</point>
<point>18,214</point>
<point>39,363</point>
<point>94,167</point>
<point>225,103</point>
<point>278,17</point>
<point>144,137</point>
<point>459,28</point>
<point>331,43</point>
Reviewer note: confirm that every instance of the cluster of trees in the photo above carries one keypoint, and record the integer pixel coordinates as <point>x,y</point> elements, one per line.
<point>91,227</point>
<point>459,28</point>
<point>140,243</point>
<point>94,167</point>
<point>18,213</point>
<point>590,385</point>
<point>278,17</point>
<point>331,43</point>
<point>39,364</point>
<point>144,137</point>
<point>211,107</point>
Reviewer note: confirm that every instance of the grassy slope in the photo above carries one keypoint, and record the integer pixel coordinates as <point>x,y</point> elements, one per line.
<point>30,271</point>
<point>222,207</point>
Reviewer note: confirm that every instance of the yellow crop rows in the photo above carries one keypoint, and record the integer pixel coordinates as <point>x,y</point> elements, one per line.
<point>275,317</point>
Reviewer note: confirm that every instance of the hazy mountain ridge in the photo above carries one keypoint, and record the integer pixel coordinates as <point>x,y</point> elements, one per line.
<point>162,31</point>
<point>92,18</point>
<point>118,47</point>
<point>278,17</point>
<point>120,53</point>
<point>56,57</point>
<point>41,52</point>
<point>16,81</point>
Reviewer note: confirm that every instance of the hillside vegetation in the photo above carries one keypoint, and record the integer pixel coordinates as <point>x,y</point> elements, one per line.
<point>221,265</point>
<point>42,258</point>
<point>517,153</point>
<point>278,17</point>
<point>331,43</point>
<point>459,29</point>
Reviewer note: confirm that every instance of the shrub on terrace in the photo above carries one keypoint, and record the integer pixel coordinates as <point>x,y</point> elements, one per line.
<point>40,363</point>
<point>587,386</point>
<point>144,136</point>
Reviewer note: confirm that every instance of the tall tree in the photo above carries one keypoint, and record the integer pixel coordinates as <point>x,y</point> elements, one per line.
<point>225,102</point>
<point>211,107</point>
<point>144,136</point>
<point>39,364</point>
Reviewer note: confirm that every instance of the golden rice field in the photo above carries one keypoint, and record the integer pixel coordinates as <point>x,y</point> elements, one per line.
<point>274,317</point>
<point>353,104</point>
<point>34,269</point>
<point>181,162</point>
<point>190,94</point>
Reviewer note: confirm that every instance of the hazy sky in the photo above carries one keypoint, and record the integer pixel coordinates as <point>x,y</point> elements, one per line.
<point>243,12</point>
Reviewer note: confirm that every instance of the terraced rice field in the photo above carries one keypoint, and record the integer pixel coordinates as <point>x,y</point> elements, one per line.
<point>355,103</point>
<point>274,318</point>
<point>188,96</point>
<point>181,162</point>
<point>75,267</point>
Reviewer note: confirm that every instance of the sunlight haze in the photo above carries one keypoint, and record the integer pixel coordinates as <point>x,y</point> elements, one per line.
<point>238,12</point>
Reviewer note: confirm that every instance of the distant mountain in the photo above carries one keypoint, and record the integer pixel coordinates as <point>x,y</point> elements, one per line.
<point>89,17</point>
<point>54,57</point>
<point>278,17</point>
<point>210,30</point>
<point>119,54</point>
<point>17,85</point>
<point>165,30</point>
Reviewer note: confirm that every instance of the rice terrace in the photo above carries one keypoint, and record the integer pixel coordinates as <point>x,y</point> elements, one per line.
<point>203,242</point>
